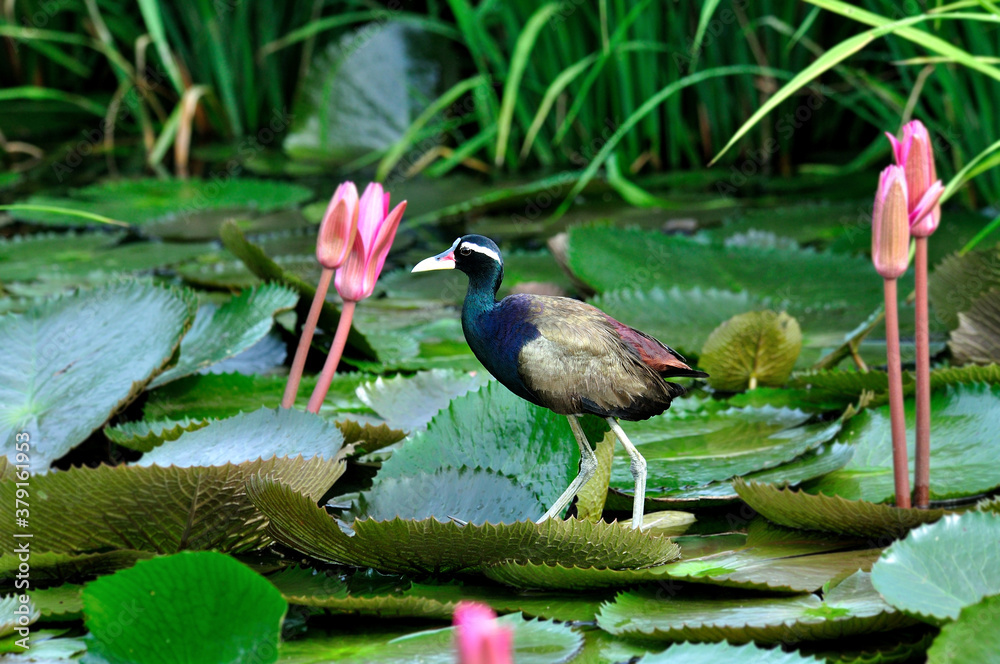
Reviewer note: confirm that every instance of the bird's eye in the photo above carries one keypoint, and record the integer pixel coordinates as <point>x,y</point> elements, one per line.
<point>465,251</point>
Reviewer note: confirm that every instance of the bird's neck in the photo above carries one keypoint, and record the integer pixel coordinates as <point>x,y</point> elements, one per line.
<point>481,296</point>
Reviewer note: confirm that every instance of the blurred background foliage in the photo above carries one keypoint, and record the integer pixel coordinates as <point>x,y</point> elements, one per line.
<point>496,88</point>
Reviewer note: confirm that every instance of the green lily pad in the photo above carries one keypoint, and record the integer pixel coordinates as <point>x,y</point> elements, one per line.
<point>217,396</point>
<point>145,200</point>
<point>973,637</point>
<point>964,456</point>
<point>798,509</point>
<point>217,334</point>
<point>163,510</point>
<point>422,547</point>
<point>241,619</point>
<point>73,256</point>
<point>476,496</point>
<point>534,642</point>
<point>69,364</point>
<point>492,429</point>
<point>697,614</point>
<point>144,435</point>
<point>713,653</point>
<point>751,349</point>
<point>13,612</point>
<point>53,568</point>
<point>408,403</point>
<point>681,318</point>
<point>941,568</point>
<point>687,449</point>
<point>262,434</point>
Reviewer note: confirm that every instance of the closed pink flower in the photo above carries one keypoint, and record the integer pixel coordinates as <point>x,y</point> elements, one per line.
<point>377,226</point>
<point>890,224</point>
<point>479,637</point>
<point>916,155</point>
<point>338,228</point>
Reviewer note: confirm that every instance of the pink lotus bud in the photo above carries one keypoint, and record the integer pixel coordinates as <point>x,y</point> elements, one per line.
<point>377,226</point>
<point>339,227</point>
<point>891,224</point>
<point>916,155</point>
<point>479,637</point>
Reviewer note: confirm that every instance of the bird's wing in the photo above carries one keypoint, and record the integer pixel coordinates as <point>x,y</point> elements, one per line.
<point>579,355</point>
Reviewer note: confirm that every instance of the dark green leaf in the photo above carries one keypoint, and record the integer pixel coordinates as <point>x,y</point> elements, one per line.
<point>69,364</point>
<point>52,568</point>
<point>959,280</point>
<point>157,509</point>
<point>222,333</point>
<point>262,434</point>
<point>941,568</point>
<point>131,610</point>
<point>432,546</point>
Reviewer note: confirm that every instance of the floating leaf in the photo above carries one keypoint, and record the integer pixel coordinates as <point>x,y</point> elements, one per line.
<point>163,510</point>
<point>941,568</point>
<point>491,428</point>
<point>534,642</point>
<point>798,509</point>
<point>241,617</point>
<point>977,338</point>
<point>141,201</point>
<point>69,364</point>
<point>53,568</point>
<point>961,279</point>
<point>143,436</point>
<point>964,456</point>
<point>682,318</point>
<point>262,434</point>
<point>74,256</point>
<point>697,614</point>
<point>220,396</point>
<point>431,546</point>
<point>974,637</point>
<point>713,653</point>
<point>408,403</point>
<point>14,614</point>
<point>751,349</point>
<point>691,449</point>
<point>59,603</point>
<point>222,333</point>
<point>476,496</point>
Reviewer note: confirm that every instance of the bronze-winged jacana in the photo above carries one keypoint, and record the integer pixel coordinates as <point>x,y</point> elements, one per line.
<point>565,355</point>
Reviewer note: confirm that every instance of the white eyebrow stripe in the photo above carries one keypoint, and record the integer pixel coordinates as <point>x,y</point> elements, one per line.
<point>486,251</point>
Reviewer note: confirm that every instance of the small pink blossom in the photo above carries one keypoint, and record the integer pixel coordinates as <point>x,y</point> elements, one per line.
<point>480,639</point>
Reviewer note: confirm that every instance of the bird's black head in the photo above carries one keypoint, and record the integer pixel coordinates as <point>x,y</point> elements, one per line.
<point>476,255</point>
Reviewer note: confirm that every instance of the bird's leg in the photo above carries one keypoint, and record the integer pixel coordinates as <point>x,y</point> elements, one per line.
<point>588,466</point>
<point>638,468</point>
